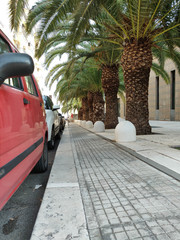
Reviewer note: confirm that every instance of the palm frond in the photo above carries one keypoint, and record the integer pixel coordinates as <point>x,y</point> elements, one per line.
<point>16,11</point>
<point>159,71</point>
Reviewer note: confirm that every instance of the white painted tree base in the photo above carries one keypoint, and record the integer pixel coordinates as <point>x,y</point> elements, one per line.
<point>125,131</point>
<point>89,124</point>
<point>99,126</point>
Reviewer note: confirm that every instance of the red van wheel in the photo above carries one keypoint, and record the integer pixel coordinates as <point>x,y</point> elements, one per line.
<point>42,164</point>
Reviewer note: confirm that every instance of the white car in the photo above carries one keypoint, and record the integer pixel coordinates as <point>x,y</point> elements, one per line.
<point>53,121</point>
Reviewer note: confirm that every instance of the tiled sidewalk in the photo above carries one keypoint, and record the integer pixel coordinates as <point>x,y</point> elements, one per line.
<point>123,197</point>
<point>155,149</point>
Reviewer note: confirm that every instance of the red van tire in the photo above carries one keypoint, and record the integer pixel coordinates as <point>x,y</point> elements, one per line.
<point>51,143</point>
<point>42,164</point>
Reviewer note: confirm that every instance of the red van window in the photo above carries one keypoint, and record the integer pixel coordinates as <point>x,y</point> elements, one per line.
<point>30,85</point>
<point>13,82</point>
<point>4,47</point>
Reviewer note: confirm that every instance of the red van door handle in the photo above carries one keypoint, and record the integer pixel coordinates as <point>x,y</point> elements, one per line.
<point>25,101</point>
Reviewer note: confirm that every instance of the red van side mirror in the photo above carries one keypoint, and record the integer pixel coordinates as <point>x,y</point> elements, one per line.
<point>15,65</point>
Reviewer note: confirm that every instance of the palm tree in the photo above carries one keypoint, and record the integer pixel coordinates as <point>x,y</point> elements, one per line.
<point>90,105</point>
<point>85,108</point>
<point>70,106</point>
<point>80,114</point>
<point>107,57</point>
<point>136,26</point>
<point>81,83</point>
<point>91,74</point>
<point>16,10</point>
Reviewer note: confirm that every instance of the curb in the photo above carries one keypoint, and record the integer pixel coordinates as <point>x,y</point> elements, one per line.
<point>61,215</point>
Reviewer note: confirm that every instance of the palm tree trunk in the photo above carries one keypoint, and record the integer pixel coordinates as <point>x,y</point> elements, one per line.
<point>90,104</point>
<point>80,114</point>
<point>85,108</point>
<point>110,84</point>
<point>98,107</point>
<point>136,61</point>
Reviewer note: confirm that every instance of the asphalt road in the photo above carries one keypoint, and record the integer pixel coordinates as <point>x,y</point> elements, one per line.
<point>18,216</point>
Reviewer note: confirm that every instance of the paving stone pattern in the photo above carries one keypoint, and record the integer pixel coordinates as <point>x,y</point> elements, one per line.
<point>123,197</point>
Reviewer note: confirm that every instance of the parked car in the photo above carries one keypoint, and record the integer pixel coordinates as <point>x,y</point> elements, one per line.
<point>53,121</point>
<point>62,121</point>
<point>23,128</point>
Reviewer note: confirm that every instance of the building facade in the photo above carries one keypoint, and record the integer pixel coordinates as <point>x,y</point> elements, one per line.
<point>164,99</point>
<point>25,44</point>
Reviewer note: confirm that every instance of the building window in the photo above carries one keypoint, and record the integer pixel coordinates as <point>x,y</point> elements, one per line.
<point>157,92</point>
<point>173,89</point>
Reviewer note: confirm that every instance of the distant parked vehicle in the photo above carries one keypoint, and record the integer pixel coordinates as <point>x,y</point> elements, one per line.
<point>62,121</point>
<point>23,128</point>
<point>53,121</point>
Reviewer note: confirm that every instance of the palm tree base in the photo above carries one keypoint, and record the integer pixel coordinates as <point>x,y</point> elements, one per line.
<point>136,61</point>
<point>110,126</point>
<point>145,130</point>
<point>98,107</point>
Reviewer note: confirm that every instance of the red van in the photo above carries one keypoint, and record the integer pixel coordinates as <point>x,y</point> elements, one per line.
<point>23,129</point>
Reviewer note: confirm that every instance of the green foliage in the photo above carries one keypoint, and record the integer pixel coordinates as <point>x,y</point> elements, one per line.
<point>16,11</point>
<point>97,30</point>
<point>122,18</point>
<point>71,105</point>
<point>80,80</point>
